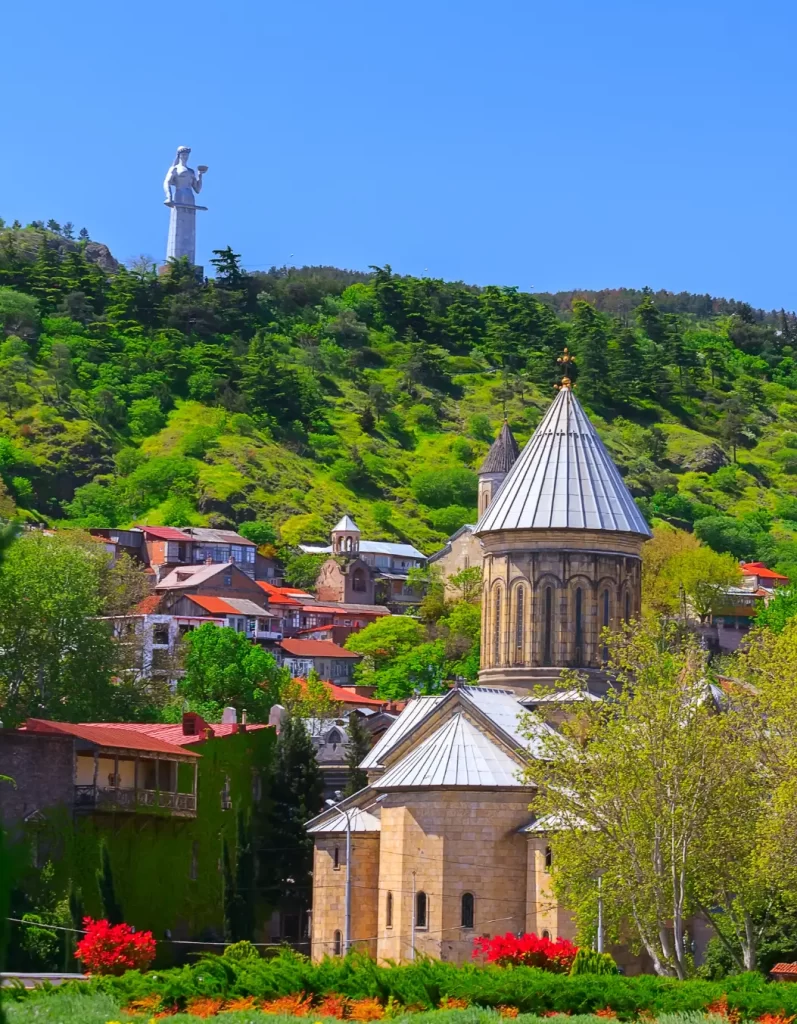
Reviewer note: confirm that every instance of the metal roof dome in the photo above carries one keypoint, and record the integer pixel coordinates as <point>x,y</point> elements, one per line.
<point>564,479</point>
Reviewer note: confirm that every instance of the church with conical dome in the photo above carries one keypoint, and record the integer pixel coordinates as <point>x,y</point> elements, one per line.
<point>562,541</point>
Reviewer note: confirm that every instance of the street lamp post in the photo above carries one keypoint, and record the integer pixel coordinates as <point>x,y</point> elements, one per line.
<point>599,944</point>
<point>347,895</point>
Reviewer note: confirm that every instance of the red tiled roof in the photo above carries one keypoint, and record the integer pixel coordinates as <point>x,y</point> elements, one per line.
<point>123,734</point>
<point>343,610</point>
<point>174,734</point>
<point>759,569</point>
<point>315,629</point>
<point>347,696</point>
<point>277,595</point>
<point>315,649</point>
<point>164,533</point>
<point>214,605</point>
<point>148,606</point>
<point>784,969</point>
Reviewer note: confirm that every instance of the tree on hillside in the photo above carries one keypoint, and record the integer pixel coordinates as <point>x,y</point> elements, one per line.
<point>359,743</point>
<point>589,337</point>
<point>223,668</point>
<point>302,570</point>
<point>776,613</point>
<point>309,699</point>
<point>387,638</point>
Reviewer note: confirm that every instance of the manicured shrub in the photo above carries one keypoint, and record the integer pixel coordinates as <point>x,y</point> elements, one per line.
<point>589,961</point>
<point>114,948</point>
<point>528,950</point>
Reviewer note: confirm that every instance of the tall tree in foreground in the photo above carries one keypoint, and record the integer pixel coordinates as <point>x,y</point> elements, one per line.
<point>646,787</point>
<point>360,742</point>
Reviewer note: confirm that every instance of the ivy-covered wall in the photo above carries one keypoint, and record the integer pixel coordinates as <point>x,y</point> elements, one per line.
<point>167,872</point>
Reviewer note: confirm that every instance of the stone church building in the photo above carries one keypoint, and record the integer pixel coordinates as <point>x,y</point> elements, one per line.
<point>443,843</point>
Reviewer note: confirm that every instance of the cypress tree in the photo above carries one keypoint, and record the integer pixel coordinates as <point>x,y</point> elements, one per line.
<point>358,746</point>
<point>589,335</point>
<point>111,908</point>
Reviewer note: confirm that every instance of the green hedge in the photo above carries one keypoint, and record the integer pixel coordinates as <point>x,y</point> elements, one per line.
<point>425,982</point>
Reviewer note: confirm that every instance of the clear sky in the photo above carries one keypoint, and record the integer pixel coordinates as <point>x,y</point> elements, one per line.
<point>548,144</point>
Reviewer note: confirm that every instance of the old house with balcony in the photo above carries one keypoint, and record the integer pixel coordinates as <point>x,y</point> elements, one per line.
<point>331,662</point>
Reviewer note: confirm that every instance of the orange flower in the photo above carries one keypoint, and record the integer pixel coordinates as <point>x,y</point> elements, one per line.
<point>297,1005</point>
<point>366,1009</point>
<point>332,1005</point>
<point>243,1003</point>
<point>453,1003</point>
<point>775,1018</point>
<point>606,1012</point>
<point>719,1008</point>
<point>204,1007</point>
<point>507,1011</point>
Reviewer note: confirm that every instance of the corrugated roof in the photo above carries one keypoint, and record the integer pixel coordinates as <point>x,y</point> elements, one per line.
<point>315,649</point>
<point>214,605</point>
<point>759,569</point>
<point>457,754</point>
<point>551,823</point>
<point>193,575</point>
<point>347,609</point>
<point>410,718</point>
<point>173,733</point>
<point>361,821</point>
<point>564,478</point>
<point>246,607</point>
<point>347,525</point>
<point>502,454</point>
<point>504,710</point>
<point>120,735</point>
<point>371,547</point>
<point>207,536</point>
<point>560,697</point>
<point>164,532</point>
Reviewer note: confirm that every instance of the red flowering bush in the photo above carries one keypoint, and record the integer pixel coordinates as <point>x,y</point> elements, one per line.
<point>114,948</point>
<point>528,950</point>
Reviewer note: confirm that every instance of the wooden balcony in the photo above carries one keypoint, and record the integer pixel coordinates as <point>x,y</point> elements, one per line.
<point>117,798</point>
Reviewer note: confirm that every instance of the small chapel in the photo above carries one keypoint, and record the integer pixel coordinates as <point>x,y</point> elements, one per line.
<point>443,844</point>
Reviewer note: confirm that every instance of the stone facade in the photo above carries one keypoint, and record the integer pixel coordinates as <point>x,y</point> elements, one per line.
<point>345,580</point>
<point>329,877</point>
<point>463,551</point>
<point>546,598</point>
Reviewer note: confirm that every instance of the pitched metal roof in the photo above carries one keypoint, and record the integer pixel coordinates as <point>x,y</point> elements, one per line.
<point>457,754</point>
<point>370,547</point>
<point>191,575</point>
<point>163,532</point>
<point>118,735</point>
<point>361,821</point>
<point>414,713</point>
<point>347,525</point>
<point>208,536</point>
<point>173,733</point>
<point>502,454</point>
<point>564,478</point>
<point>245,607</point>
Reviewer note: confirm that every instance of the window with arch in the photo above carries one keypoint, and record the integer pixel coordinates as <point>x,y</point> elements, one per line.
<point>336,944</point>
<point>389,910</point>
<point>628,606</point>
<point>579,616</point>
<point>497,628</point>
<point>605,617</point>
<point>336,859</point>
<point>348,543</point>
<point>520,609</point>
<point>421,910</point>
<point>548,858</point>
<point>546,934</point>
<point>468,910</point>
<point>547,636</point>
<point>358,581</point>
<point>333,737</point>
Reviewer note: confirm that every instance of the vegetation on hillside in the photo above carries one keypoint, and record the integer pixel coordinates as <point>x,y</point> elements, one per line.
<point>292,396</point>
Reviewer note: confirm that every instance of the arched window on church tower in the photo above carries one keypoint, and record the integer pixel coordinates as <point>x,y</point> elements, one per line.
<point>547,638</point>
<point>497,628</point>
<point>519,625</point>
<point>579,616</point>
<point>628,606</point>
<point>605,621</point>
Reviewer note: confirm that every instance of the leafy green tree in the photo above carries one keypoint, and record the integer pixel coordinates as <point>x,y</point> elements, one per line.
<point>589,336</point>
<point>223,668</point>
<point>19,313</point>
<point>724,533</point>
<point>777,612</point>
<point>481,428</point>
<point>359,743</point>
<point>259,532</point>
<point>444,487</point>
<point>302,570</point>
<point>386,639</point>
<point>448,520</point>
<point>146,417</point>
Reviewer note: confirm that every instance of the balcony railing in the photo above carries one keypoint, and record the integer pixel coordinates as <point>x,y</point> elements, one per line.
<point>122,799</point>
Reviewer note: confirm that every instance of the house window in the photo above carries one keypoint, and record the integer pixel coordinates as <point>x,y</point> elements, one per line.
<point>579,627</point>
<point>546,934</point>
<point>389,910</point>
<point>358,581</point>
<point>160,634</point>
<point>421,910</point>
<point>336,859</point>
<point>497,628</point>
<point>467,915</point>
<point>548,858</point>
<point>193,869</point>
<point>547,645</point>
<point>251,625</point>
<point>228,581</point>
<point>347,622</point>
<point>336,944</point>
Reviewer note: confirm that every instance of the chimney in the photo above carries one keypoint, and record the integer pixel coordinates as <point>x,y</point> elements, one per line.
<point>243,720</point>
<point>229,717</point>
<point>277,716</point>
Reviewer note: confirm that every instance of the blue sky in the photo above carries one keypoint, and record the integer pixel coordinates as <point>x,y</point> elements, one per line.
<point>548,145</point>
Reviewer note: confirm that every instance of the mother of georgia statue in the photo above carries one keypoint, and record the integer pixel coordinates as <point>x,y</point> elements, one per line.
<point>179,185</point>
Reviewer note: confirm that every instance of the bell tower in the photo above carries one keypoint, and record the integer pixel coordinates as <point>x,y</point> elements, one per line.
<point>500,459</point>
<point>346,537</point>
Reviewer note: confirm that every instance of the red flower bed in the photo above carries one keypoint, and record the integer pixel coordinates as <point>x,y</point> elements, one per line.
<point>114,948</point>
<point>528,950</point>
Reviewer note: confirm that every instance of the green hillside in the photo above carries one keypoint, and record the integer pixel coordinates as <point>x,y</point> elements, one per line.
<point>296,395</point>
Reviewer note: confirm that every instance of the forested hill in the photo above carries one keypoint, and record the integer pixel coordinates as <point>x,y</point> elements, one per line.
<point>296,395</point>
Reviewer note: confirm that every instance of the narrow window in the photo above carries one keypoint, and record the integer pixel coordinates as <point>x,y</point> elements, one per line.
<point>497,629</point>
<point>605,621</point>
<point>336,944</point>
<point>579,627</point>
<point>548,858</point>
<point>467,909</point>
<point>628,606</point>
<point>548,628</point>
<point>421,910</point>
<point>389,910</point>
<point>519,625</point>
<point>336,859</point>
<point>546,934</point>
